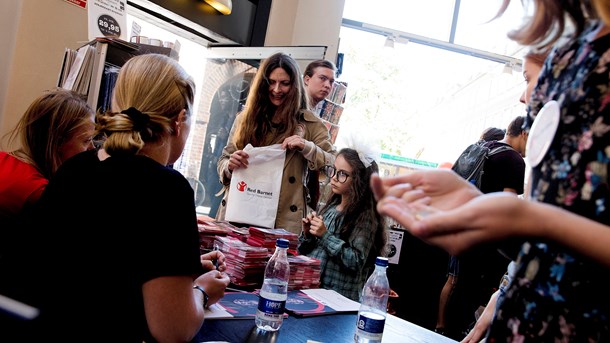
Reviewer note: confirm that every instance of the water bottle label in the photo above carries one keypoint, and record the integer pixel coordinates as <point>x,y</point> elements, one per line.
<point>370,328</point>
<point>271,306</point>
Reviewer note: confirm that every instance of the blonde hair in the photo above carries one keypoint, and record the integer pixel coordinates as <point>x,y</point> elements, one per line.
<point>50,120</point>
<point>150,91</point>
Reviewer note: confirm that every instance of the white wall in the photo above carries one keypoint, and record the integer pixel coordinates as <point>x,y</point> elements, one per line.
<point>34,34</point>
<point>306,22</point>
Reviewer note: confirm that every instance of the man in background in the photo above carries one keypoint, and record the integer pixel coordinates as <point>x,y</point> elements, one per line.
<point>319,78</point>
<point>473,277</point>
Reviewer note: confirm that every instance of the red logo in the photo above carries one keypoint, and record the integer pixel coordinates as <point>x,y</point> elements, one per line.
<point>241,186</point>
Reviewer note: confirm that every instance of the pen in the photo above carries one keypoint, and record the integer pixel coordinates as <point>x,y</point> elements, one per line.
<point>235,290</point>
<point>215,260</point>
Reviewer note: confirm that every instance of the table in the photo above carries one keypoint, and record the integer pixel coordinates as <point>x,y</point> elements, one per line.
<point>335,328</point>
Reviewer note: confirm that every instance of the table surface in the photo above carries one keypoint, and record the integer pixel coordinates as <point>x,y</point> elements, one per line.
<point>335,328</point>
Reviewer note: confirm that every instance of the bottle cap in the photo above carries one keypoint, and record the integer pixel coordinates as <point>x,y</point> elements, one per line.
<point>282,243</point>
<point>381,261</point>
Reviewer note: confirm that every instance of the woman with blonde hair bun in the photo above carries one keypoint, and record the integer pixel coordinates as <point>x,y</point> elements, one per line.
<point>124,252</point>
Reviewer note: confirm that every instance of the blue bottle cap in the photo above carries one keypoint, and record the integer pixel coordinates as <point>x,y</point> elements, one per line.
<point>381,261</point>
<point>282,243</point>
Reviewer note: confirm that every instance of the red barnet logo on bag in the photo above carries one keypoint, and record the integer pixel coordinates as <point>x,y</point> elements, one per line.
<point>241,186</point>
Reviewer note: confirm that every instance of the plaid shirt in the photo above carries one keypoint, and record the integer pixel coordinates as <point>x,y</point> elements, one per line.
<point>344,265</point>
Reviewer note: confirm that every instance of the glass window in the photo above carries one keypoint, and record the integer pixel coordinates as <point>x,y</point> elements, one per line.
<point>475,30</point>
<point>426,18</point>
<point>422,102</point>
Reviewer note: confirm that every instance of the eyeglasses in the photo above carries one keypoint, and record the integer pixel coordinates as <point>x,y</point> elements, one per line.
<point>331,171</point>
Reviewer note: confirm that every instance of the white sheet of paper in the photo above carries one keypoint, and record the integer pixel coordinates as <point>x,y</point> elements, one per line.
<point>333,299</point>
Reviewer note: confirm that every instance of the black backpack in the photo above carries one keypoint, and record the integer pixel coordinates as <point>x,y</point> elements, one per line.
<point>470,163</point>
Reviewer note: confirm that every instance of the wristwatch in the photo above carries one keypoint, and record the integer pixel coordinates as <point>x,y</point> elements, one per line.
<point>206,297</point>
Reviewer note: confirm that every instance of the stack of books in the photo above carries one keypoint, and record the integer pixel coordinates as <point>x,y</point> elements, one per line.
<point>260,237</point>
<point>245,263</point>
<point>208,232</point>
<point>76,69</point>
<point>304,272</point>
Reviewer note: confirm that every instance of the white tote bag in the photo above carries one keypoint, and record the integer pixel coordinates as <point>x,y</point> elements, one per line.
<point>254,192</point>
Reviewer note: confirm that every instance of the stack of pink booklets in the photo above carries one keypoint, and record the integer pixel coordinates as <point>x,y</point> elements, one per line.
<point>260,237</point>
<point>245,263</point>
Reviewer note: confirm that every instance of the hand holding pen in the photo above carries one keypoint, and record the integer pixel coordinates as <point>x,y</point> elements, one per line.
<point>214,260</point>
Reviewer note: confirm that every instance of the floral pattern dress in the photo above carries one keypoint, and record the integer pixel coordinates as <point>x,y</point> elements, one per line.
<point>556,295</point>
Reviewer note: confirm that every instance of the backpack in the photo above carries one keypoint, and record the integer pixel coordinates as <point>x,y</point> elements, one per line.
<point>472,160</point>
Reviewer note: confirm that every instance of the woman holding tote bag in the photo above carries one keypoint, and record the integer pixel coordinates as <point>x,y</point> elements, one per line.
<point>276,113</point>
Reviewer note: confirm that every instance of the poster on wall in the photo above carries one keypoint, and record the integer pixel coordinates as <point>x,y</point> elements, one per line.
<point>107,18</point>
<point>395,241</point>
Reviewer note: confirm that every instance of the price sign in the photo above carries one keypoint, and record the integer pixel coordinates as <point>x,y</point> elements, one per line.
<point>107,18</point>
<point>108,26</point>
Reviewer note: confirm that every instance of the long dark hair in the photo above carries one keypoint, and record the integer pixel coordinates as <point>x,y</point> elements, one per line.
<point>361,209</point>
<point>256,125</point>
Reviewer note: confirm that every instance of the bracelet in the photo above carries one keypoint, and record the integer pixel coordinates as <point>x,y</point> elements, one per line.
<point>206,297</point>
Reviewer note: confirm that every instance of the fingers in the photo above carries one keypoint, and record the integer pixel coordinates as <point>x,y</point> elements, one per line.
<point>238,159</point>
<point>214,254</point>
<point>377,186</point>
<point>208,265</point>
<point>213,260</point>
<point>317,227</point>
<point>294,142</point>
<point>392,187</point>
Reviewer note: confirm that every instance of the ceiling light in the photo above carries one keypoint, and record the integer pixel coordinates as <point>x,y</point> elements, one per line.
<point>223,6</point>
<point>508,68</point>
<point>389,42</point>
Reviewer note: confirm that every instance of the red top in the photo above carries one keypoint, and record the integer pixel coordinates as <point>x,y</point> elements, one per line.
<point>20,185</point>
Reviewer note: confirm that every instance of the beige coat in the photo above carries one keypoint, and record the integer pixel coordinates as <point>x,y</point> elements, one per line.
<point>292,205</point>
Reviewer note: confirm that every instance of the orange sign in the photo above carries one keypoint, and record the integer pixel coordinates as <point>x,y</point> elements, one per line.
<point>79,3</point>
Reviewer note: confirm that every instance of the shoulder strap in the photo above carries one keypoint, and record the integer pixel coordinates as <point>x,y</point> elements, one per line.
<point>500,149</point>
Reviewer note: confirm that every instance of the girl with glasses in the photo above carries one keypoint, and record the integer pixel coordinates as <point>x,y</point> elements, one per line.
<point>348,233</point>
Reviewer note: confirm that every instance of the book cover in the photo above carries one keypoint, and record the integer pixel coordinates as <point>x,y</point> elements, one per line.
<point>234,305</point>
<point>300,304</point>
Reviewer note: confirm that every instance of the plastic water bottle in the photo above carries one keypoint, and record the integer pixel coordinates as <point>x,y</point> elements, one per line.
<point>273,294</point>
<point>373,305</point>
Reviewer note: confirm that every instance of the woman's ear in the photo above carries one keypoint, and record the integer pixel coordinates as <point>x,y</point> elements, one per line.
<point>178,123</point>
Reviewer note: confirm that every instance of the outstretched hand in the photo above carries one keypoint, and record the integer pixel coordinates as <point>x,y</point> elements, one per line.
<point>443,209</point>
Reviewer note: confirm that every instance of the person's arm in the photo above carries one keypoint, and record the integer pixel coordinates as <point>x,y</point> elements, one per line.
<point>174,310</point>
<point>441,208</point>
<point>480,327</point>
<point>307,241</point>
<point>352,254</point>
<point>318,149</point>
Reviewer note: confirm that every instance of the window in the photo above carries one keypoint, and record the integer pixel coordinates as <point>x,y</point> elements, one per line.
<point>423,102</point>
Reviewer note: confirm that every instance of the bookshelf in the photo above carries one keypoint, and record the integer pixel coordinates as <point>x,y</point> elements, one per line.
<point>91,70</point>
<point>331,109</point>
